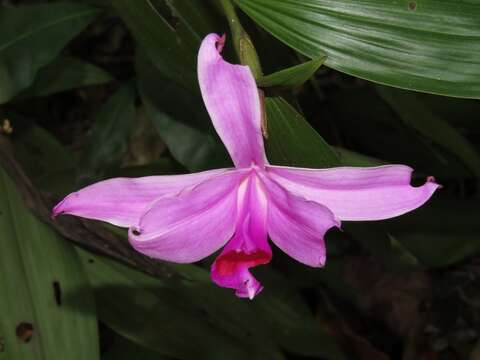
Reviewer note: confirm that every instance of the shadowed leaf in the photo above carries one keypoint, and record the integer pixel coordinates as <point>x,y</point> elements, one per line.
<point>40,273</point>
<point>66,73</point>
<point>32,36</point>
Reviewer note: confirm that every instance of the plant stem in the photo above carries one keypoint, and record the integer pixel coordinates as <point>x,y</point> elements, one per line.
<point>242,42</point>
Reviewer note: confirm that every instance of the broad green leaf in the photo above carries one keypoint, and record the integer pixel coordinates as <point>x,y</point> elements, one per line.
<point>352,158</point>
<point>169,32</point>
<point>380,133</point>
<point>293,76</point>
<point>167,79</point>
<point>181,119</point>
<point>196,19</point>
<point>385,248</point>
<point>172,317</point>
<point>413,113</point>
<point>292,141</point>
<point>440,233</point>
<point>32,36</point>
<point>48,163</point>
<point>154,311</point>
<point>278,318</point>
<point>46,304</point>
<point>66,73</point>
<point>463,113</point>
<point>169,52</point>
<point>289,319</point>
<point>439,249</point>
<point>109,136</point>
<point>428,45</point>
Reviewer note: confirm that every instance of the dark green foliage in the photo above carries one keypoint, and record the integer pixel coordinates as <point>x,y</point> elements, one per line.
<point>95,89</point>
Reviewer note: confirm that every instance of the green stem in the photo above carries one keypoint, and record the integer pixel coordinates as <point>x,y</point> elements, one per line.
<point>243,44</point>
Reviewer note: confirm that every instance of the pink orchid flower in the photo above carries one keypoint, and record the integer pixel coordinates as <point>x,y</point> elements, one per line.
<point>185,218</point>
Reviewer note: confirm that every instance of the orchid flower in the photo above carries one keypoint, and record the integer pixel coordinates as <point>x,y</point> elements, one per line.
<point>185,218</point>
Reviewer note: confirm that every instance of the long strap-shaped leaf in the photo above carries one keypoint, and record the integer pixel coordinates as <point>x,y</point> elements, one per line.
<point>32,36</point>
<point>46,304</point>
<point>428,45</point>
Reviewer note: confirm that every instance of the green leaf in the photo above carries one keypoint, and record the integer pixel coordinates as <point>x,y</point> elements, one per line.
<point>428,45</point>
<point>66,73</point>
<point>109,138</point>
<point>167,80</point>
<point>439,249</point>
<point>379,132</point>
<point>46,304</point>
<point>169,52</point>
<point>181,119</point>
<point>384,247</point>
<point>166,316</point>
<point>440,233</point>
<point>415,114</point>
<point>212,321</point>
<point>278,318</point>
<point>290,321</point>
<point>196,19</point>
<point>352,158</point>
<point>292,141</point>
<point>293,76</point>
<point>47,163</point>
<point>463,113</point>
<point>32,36</point>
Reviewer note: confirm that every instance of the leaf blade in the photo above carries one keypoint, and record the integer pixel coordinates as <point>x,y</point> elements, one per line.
<point>157,37</point>
<point>110,134</point>
<point>152,312</point>
<point>431,48</point>
<point>66,73</point>
<point>45,286</point>
<point>292,141</point>
<point>415,114</point>
<point>180,118</point>
<point>292,76</point>
<point>32,36</point>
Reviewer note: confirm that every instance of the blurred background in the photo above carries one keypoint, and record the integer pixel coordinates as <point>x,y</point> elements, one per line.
<point>96,89</point>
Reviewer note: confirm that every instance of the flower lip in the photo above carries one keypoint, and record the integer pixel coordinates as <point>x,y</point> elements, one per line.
<point>228,263</point>
<point>249,246</point>
<point>251,289</point>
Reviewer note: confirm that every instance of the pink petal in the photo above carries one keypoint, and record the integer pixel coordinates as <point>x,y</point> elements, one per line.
<point>232,100</point>
<point>297,226</point>
<point>357,193</point>
<point>191,225</point>
<point>121,201</point>
<point>249,246</point>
